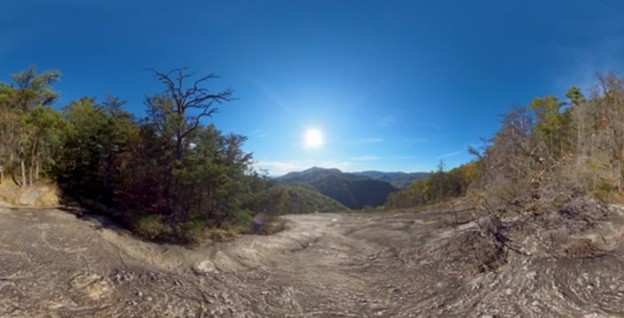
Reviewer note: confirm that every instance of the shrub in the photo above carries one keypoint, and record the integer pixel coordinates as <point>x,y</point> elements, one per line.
<point>218,234</point>
<point>193,231</point>
<point>152,227</point>
<point>272,225</point>
<point>243,218</point>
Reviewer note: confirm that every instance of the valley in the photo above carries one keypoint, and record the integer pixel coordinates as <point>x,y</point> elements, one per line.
<point>355,190</point>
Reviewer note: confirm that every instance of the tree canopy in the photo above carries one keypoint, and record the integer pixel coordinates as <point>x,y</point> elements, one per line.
<point>169,171</point>
<point>543,154</point>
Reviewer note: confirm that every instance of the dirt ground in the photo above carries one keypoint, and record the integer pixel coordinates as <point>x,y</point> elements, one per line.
<point>395,264</point>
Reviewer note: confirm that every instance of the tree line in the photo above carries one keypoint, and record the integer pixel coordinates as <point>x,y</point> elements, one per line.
<point>555,149</point>
<point>544,154</point>
<point>436,187</point>
<point>167,175</point>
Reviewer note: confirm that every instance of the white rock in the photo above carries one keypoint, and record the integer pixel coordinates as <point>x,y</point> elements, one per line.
<point>204,267</point>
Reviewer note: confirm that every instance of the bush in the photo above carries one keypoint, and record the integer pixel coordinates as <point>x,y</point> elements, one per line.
<point>243,218</point>
<point>193,231</point>
<point>272,225</point>
<point>218,234</point>
<point>152,227</point>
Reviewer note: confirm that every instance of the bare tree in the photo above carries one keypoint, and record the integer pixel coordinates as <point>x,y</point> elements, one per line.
<point>181,107</point>
<point>176,115</point>
<point>611,122</point>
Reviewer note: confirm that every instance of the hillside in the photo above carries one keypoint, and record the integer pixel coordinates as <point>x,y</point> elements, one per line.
<point>400,180</point>
<point>295,199</point>
<point>315,174</point>
<point>350,189</point>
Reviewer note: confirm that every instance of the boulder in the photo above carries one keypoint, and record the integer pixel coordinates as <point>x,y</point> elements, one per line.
<point>29,198</point>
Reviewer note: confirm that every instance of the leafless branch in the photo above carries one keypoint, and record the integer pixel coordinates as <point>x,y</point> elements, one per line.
<point>185,98</point>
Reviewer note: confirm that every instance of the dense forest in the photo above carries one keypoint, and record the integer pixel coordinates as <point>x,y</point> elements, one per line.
<point>544,155</point>
<point>166,176</point>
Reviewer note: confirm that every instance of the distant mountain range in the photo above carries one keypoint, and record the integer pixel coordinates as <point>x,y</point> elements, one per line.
<point>354,190</point>
<point>400,180</point>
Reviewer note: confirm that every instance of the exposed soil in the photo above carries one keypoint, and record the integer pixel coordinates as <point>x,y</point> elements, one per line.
<point>568,263</point>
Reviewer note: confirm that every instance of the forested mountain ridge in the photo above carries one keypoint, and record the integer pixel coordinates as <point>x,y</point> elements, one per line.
<point>294,199</point>
<point>352,190</point>
<point>400,180</point>
<point>314,174</point>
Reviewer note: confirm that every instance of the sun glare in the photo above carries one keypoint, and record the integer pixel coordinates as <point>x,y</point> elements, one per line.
<point>313,138</point>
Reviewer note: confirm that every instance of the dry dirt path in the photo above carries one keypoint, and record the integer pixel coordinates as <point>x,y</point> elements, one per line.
<point>53,264</point>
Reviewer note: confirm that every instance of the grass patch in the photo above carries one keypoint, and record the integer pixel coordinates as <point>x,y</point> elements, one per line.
<point>152,227</point>
<point>193,231</point>
<point>272,225</point>
<point>46,192</point>
<point>609,195</point>
<point>155,227</point>
<point>218,234</point>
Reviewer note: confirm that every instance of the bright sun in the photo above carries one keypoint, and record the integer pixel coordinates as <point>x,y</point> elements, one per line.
<point>313,138</point>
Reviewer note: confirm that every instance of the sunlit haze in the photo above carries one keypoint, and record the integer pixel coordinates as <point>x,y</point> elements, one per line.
<point>313,139</point>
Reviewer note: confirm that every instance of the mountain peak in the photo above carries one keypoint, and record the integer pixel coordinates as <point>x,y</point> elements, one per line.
<point>319,169</point>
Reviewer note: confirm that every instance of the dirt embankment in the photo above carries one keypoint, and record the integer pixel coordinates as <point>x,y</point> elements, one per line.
<point>324,265</point>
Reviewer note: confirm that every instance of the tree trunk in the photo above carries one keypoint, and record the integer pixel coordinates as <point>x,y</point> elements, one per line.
<point>30,174</point>
<point>579,149</point>
<point>179,146</point>
<point>37,170</point>
<point>23,167</point>
<point>14,178</point>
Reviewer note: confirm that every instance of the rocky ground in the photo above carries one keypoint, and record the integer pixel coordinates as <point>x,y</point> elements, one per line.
<point>568,263</point>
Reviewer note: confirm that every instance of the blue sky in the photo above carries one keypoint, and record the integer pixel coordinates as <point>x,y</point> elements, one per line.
<point>392,85</point>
